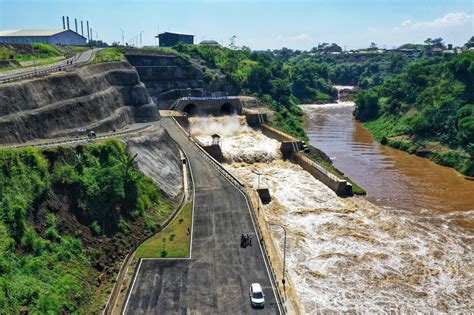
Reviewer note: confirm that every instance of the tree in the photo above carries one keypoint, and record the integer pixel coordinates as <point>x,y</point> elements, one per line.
<point>367,105</point>
<point>466,123</point>
<point>434,43</point>
<point>334,48</point>
<point>470,43</point>
<point>373,46</point>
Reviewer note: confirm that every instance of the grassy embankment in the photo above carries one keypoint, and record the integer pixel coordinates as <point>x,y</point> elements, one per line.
<point>391,131</point>
<point>64,215</point>
<point>173,241</point>
<point>110,54</point>
<point>40,51</point>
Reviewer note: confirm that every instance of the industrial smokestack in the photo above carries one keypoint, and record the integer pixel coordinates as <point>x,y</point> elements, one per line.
<point>82,29</point>
<point>75,22</point>
<point>67,19</point>
<point>92,36</point>
<point>64,23</point>
<point>88,35</point>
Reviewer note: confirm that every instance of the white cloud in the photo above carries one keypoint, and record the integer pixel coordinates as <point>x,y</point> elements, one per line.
<point>406,23</point>
<point>450,20</point>
<point>372,29</point>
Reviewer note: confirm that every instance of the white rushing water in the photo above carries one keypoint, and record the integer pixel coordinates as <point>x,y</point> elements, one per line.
<point>347,255</point>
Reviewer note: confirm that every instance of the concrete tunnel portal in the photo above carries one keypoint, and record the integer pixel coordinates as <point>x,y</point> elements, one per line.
<point>191,109</point>
<point>227,109</point>
<point>215,106</point>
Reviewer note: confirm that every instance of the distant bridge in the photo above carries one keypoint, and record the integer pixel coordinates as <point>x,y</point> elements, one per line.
<point>209,105</point>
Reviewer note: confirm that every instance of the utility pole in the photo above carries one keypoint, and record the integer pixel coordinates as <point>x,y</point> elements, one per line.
<point>141,45</point>
<point>123,40</point>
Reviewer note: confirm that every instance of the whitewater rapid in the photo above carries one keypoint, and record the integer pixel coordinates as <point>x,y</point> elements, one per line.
<point>348,255</point>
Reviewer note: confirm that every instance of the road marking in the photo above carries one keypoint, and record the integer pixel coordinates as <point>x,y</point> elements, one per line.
<point>131,289</point>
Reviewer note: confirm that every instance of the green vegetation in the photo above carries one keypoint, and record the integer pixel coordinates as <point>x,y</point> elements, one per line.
<point>428,108</point>
<point>6,53</point>
<point>173,241</point>
<point>110,54</point>
<point>46,257</point>
<point>40,51</point>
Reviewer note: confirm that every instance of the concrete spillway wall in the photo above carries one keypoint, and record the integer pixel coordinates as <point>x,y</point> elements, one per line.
<point>100,97</point>
<point>339,186</point>
<point>291,148</point>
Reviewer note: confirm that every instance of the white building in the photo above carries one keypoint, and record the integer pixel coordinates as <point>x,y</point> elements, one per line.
<point>53,37</point>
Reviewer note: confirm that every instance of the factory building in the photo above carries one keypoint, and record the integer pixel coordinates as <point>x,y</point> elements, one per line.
<point>53,37</point>
<point>168,39</point>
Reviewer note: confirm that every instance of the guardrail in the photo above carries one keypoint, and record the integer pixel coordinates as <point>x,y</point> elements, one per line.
<point>207,98</point>
<point>240,186</point>
<point>77,140</point>
<point>41,72</point>
<point>35,73</point>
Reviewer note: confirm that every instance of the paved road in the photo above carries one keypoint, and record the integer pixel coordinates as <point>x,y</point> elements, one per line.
<point>217,278</point>
<point>82,57</point>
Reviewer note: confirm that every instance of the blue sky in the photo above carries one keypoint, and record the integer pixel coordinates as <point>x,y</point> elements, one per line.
<point>259,24</point>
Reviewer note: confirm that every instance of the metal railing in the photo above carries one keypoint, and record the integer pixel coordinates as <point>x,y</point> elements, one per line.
<point>77,140</point>
<point>36,73</point>
<point>48,70</point>
<point>240,186</point>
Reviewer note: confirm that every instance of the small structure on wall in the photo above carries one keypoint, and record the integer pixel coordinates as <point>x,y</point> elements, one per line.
<point>216,139</point>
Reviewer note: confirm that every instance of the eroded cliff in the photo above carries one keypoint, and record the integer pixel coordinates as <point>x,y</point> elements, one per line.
<point>169,77</point>
<point>100,97</point>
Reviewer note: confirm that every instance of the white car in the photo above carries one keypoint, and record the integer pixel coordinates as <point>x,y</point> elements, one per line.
<point>257,298</point>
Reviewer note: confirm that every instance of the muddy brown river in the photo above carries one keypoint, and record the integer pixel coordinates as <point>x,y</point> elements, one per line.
<point>347,255</point>
<point>392,178</point>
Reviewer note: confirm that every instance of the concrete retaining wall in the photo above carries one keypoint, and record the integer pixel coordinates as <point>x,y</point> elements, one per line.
<point>339,186</point>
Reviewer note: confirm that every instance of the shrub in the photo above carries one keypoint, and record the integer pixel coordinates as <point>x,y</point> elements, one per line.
<point>123,226</point>
<point>95,228</point>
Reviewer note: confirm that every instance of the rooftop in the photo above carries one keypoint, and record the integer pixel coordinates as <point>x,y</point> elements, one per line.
<point>33,32</point>
<point>167,33</point>
<point>209,42</point>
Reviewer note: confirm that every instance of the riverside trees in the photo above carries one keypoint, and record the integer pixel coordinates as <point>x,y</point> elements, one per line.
<point>431,100</point>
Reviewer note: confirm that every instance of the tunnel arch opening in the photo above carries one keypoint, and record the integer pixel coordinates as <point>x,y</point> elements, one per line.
<point>227,109</point>
<point>191,109</point>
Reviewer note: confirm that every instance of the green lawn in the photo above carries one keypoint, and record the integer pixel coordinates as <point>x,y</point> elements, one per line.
<point>110,54</point>
<point>173,241</point>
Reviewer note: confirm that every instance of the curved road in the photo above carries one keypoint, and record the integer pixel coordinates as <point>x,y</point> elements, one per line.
<point>217,277</point>
<point>83,57</point>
